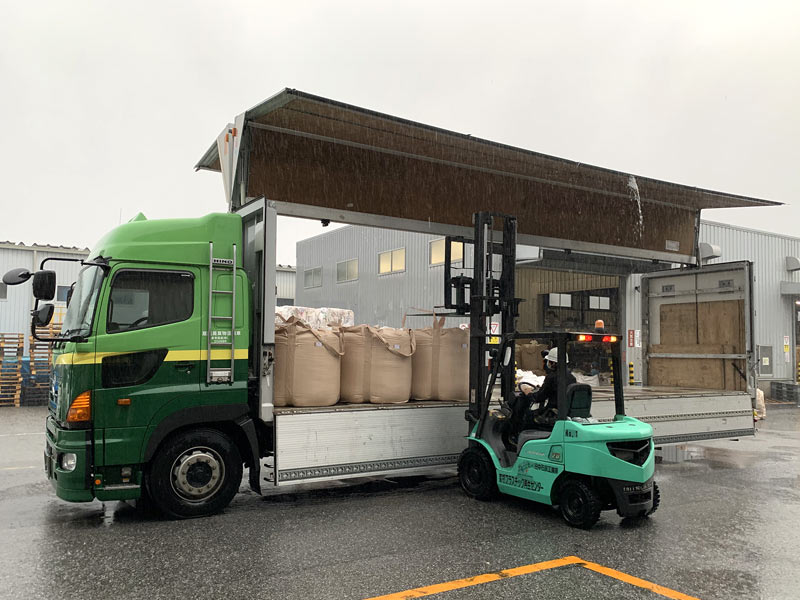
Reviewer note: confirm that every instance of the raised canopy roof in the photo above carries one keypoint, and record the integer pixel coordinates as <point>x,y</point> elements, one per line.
<point>302,150</point>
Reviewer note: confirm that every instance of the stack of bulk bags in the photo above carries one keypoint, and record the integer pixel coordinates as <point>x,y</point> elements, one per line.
<point>307,365</point>
<point>441,363</point>
<point>529,357</point>
<point>315,317</point>
<point>376,366</point>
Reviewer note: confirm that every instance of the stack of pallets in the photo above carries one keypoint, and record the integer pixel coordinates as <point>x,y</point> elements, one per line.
<point>37,387</point>
<point>11,345</point>
<point>786,391</point>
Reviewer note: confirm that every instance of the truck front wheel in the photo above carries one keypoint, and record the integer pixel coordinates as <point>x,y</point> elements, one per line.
<point>196,473</point>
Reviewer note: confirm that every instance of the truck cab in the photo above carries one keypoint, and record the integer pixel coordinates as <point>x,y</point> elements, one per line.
<point>154,351</point>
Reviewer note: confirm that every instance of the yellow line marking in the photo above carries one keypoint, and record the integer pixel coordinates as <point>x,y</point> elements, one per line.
<point>458,584</point>
<point>653,587</point>
<point>17,468</point>
<point>485,578</point>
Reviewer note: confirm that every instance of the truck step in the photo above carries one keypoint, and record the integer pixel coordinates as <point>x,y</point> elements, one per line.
<point>219,375</point>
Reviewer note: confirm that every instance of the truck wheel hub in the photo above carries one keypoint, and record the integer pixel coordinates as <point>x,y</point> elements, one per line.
<point>197,474</point>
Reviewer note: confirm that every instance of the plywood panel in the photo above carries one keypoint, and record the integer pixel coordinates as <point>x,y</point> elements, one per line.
<point>722,323</point>
<point>687,372</point>
<point>707,373</point>
<point>678,324</point>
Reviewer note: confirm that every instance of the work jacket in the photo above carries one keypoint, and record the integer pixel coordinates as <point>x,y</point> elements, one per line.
<point>548,393</point>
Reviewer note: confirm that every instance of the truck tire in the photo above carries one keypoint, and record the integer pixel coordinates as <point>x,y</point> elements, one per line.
<point>476,473</point>
<point>194,474</point>
<point>580,505</point>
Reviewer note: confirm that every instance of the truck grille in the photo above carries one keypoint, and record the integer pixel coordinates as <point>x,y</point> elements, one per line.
<point>635,452</point>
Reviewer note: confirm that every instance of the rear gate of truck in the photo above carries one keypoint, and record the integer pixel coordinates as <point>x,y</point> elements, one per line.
<point>697,334</point>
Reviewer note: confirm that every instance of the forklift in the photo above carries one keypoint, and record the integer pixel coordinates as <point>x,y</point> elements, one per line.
<point>575,462</point>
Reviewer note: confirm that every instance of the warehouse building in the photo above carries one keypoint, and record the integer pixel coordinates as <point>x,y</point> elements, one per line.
<point>285,277</point>
<point>16,302</point>
<point>384,275</point>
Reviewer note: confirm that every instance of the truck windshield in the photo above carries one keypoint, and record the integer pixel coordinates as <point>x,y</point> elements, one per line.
<point>78,320</point>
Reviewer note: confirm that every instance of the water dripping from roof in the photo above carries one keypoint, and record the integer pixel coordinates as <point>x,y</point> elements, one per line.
<point>633,189</point>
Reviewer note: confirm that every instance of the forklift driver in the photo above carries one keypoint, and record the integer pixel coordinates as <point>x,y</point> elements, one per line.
<point>519,414</point>
<point>547,396</point>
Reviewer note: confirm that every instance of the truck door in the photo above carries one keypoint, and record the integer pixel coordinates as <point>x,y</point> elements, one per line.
<point>148,354</point>
<point>698,366</point>
<point>698,328</point>
<point>259,230</point>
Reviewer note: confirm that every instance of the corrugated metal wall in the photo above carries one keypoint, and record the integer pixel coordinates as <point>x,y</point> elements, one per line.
<point>633,319</point>
<point>15,309</point>
<point>285,282</point>
<point>774,314</point>
<point>375,299</point>
<point>384,299</point>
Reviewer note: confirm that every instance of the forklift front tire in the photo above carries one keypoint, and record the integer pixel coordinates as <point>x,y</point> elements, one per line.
<point>477,474</point>
<point>580,505</point>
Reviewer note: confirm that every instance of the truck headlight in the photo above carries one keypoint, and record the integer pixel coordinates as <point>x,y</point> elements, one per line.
<point>69,461</point>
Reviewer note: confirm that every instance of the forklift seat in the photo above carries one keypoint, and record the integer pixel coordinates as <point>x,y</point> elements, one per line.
<point>579,400</point>
<point>532,434</point>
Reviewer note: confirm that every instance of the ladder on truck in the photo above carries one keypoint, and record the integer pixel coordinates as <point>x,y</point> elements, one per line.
<point>220,374</point>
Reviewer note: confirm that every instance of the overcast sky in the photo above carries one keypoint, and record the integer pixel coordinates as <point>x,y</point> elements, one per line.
<point>105,107</point>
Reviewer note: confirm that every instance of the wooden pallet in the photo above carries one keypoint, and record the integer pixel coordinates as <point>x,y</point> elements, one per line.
<point>11,346</point>
<point>41,356</point>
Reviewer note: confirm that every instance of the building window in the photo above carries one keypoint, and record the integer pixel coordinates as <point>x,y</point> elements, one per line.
<point>599,303</point>
<point>562,300</point>
<point>347,270</point>
<point>437,252</point>
<point>312,278</point>
<point>61,293</point>
<point>3,291</point>
<point>141,299</point>
<point>392,261</point>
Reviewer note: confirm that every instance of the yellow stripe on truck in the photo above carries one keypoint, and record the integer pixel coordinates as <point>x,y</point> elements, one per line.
<point>93,358</point>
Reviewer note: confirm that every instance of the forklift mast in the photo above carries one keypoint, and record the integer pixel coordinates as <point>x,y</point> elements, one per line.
<point>488,292</point>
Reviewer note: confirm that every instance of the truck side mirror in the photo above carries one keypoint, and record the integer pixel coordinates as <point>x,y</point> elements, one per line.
<point>43,315</point>
<point>44,285</point>
<point>17,276</point>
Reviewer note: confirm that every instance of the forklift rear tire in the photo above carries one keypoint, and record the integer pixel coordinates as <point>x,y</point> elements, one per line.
<point>477,474</point>
<point>580,505</point>
<point>656,499</point>
<point>194,474</point>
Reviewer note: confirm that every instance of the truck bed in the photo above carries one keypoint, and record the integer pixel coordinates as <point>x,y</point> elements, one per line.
<point>353,440</point>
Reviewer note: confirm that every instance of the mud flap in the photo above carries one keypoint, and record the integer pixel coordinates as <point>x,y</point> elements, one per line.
<point>249,429</point>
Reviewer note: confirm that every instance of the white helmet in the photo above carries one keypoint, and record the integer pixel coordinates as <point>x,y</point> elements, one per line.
<point>552,356</point>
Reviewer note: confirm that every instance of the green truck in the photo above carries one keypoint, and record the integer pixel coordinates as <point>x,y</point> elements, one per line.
<point>162,373</point>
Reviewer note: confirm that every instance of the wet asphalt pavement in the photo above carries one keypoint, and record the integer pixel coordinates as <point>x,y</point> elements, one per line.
<point>728,527</point>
